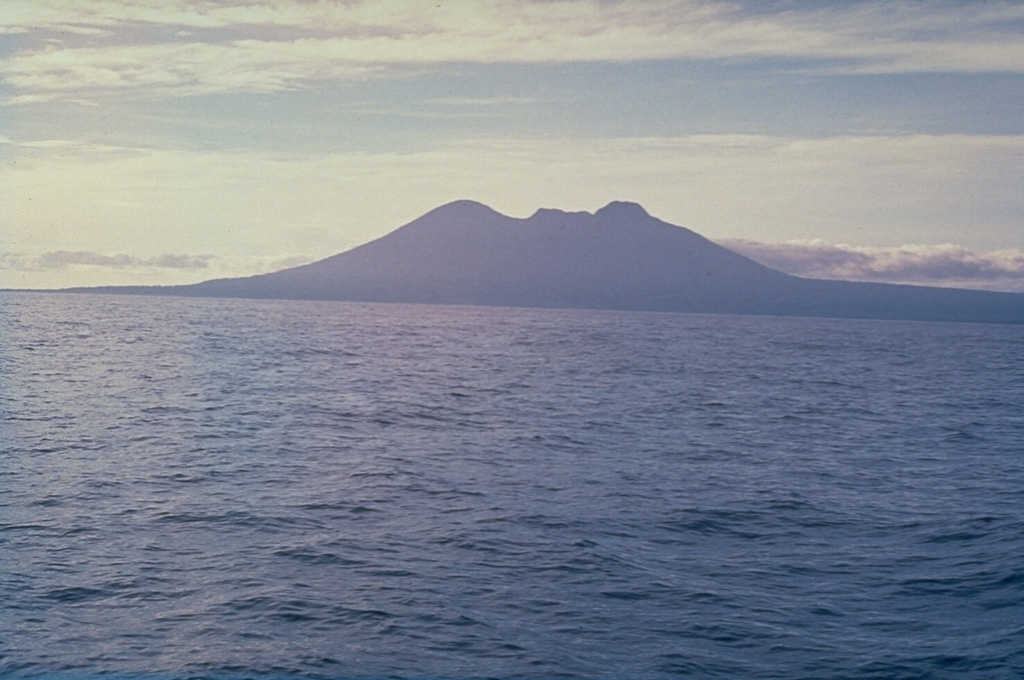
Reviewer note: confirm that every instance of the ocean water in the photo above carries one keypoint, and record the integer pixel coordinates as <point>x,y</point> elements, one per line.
<point>236,489</point>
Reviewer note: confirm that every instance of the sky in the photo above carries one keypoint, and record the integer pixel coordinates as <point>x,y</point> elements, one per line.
<point>173,141</point>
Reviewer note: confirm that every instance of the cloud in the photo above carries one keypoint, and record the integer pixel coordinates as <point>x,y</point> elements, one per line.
<point>63,269</point>
<point>60,259</point>
<point>933,265</point>
<point>180,69</point>
<point>480,101</point>
<point>266,47</point>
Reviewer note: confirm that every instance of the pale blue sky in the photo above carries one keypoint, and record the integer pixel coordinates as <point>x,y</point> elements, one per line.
<point>241,137</point>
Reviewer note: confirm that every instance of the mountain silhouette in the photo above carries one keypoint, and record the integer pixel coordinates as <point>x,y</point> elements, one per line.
<point>617,258</point>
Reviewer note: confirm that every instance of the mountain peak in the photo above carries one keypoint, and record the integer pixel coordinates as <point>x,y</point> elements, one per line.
<point>616,210</point>
<point>463,208</point>
<point>556,213</point>
<point>622,210</point>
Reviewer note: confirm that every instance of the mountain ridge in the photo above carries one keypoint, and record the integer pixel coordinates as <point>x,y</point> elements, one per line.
<point>618,257</point>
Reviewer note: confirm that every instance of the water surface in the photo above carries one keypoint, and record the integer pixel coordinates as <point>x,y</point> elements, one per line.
<point>229,488</point>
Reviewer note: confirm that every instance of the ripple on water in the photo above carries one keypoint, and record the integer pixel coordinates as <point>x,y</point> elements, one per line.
<point>229,489</point>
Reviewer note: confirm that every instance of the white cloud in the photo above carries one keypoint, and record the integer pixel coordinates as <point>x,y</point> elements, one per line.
<point>264,47</point>
<point>933,265</point>
<point>62,269</point>
<point>479,101</point>
<point>60,259</point>
<point>180,69</point>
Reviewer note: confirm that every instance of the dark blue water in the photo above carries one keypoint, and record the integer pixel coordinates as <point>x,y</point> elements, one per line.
<point>235,489</point>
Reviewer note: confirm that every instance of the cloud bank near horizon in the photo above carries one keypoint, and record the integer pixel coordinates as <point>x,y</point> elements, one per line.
<point>64,268</point>
<point>59,259</point>
<point>945,265</point>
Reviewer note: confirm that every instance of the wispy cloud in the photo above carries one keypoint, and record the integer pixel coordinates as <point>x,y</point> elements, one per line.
<point>60,259</point>
<point>933,265</point>
<point>63,268</point>
<point>479,101</point>
<point>181,47</point>
<point>181,69</point>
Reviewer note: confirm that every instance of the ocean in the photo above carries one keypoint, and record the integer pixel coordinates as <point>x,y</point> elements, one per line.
<point>214,488</point>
